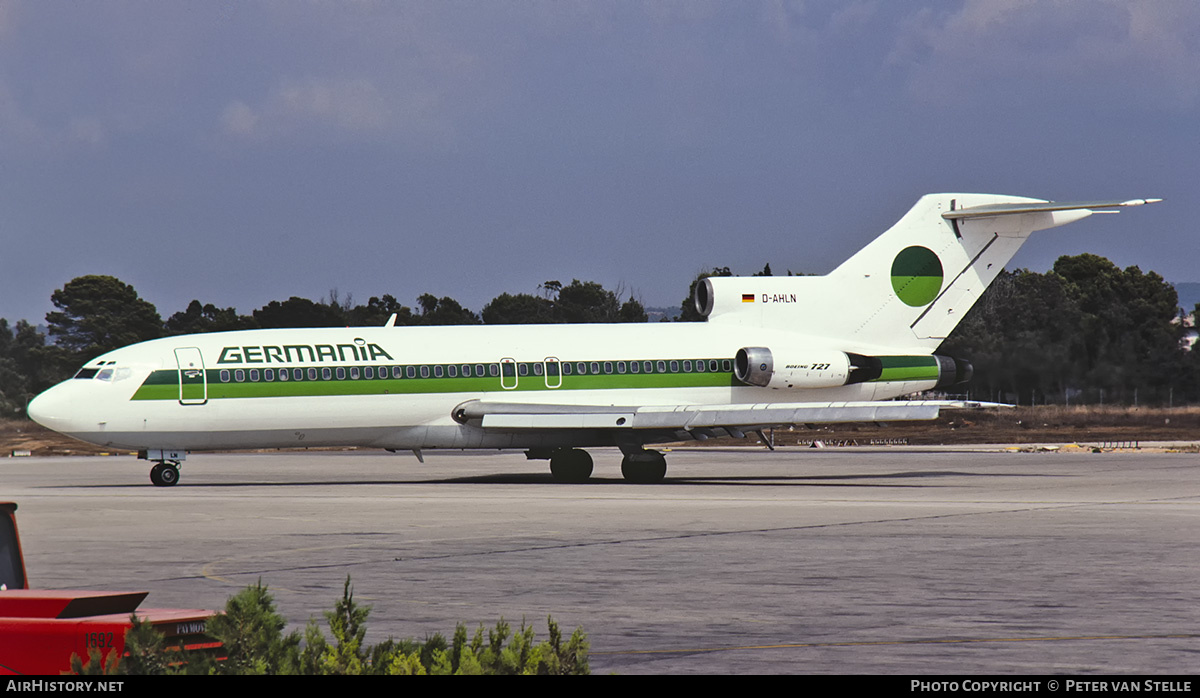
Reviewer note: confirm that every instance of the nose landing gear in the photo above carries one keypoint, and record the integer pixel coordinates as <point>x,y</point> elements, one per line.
<point>165,472</point>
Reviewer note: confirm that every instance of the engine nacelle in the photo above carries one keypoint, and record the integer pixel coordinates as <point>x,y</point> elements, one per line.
<point>953,371</point>
<point>795,369</point>
<point>748,297</point>
<point>801,368</point>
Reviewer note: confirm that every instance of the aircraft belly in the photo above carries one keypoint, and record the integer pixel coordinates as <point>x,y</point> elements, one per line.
<point>401,421</point>
<point>397,422</point>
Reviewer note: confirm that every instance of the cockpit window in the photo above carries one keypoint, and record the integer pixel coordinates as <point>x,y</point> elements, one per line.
<point>87,373</point>
<point>105,374</point>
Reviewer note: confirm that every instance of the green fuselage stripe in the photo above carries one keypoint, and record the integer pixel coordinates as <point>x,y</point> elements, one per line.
<point>164,384</point>
<point>222,383</point>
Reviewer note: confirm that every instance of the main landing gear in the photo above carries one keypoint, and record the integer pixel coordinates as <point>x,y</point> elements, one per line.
<point>165,472</point>
<point>644,467</point>
<point>575,465</point>
<point>571,465</point>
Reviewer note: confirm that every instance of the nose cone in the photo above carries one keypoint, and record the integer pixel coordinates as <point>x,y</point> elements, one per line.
<point>52,410</point>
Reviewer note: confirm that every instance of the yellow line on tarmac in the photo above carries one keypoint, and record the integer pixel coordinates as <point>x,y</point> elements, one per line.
<point>209,570</point>
<point>877,643</point>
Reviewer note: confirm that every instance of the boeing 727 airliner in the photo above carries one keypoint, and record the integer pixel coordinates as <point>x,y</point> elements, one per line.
<point>773,351</point>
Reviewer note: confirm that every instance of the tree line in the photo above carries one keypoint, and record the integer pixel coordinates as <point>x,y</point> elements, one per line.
<point>1084,332</point>
<point>96,314</point>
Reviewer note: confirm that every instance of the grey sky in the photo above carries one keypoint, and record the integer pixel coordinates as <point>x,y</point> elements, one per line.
<point>242,152</point>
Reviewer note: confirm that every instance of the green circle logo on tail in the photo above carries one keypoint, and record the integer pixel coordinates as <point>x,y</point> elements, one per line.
<point>917,276</point>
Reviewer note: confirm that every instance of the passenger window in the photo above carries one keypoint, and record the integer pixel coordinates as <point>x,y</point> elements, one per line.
<point>283,374</point>
<point>239,376</point>
<point>566,369</point>
<point>452,371</point>
<point>312,374</point>
<point>411,372</point>
<point>523,369</point>
<point>595,366</point>
<point>368,372</point>
<point>635,367</point>
<point>648,366</point>
<point>537,369</point>
<point>354,373</point>
<point>326,374</point>
<point>224,375</point>
<point>620,367</point>
<point>341,373</point>
<point>687,366</point>
<point>254,375</point>
<point>700,366</point>
<point>466,370</point>
<point>662,366</point>
<point>608,367</point>
<point>269,374</point>
<point>674,367</point>
<point>424,371</point>
<point>397,372</point>
<point>437,371</point>
<point>725,365</point>
<point>479,370</point>
<point>494,370</point>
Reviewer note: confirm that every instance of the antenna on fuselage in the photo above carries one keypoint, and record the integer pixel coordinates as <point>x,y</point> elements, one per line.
<point>391,322</point>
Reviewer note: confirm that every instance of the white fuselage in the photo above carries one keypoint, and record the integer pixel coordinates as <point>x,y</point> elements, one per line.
<point>235,407</point>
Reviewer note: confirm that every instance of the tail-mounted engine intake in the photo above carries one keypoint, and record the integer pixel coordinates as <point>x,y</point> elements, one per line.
<point>831,369</point>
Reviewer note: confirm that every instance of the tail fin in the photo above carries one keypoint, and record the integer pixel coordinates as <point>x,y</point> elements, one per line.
<point>909,287</point>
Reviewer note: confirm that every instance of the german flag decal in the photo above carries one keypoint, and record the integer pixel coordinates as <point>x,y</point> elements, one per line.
<point>747,297</point>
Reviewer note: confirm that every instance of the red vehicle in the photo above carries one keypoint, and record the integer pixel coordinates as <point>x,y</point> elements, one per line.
<point>40,630</point>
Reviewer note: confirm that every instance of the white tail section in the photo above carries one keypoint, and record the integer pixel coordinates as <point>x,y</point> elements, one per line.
<point>908,288</point>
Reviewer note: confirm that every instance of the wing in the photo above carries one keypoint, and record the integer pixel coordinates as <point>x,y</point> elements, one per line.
<point>649,423</point>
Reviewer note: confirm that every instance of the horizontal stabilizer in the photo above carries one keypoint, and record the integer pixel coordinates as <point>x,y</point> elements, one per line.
<point>992,210</point>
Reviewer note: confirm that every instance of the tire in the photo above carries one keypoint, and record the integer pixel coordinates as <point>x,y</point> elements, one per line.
<point>571,465</point>
<point>164,475</point>
<point>646,467</point>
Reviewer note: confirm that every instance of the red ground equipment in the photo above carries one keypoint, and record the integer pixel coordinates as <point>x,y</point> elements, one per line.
<point>40,630</point>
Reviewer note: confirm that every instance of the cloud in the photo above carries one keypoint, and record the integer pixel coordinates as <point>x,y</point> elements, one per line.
<point>238,119</point>
<point>19,131</point>
<point>351,108</point>
<point>6,18</point>
<point>1143,50</point>
<point>87,131</point>
<point>15,125</point>
<point>354,106</point>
